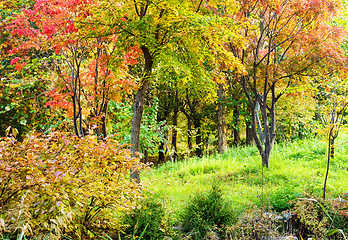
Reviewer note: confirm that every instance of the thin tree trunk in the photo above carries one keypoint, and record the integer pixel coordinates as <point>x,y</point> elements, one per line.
<point>104,113</point>
<point>162,115</point>
<point>79,105</point>
<point>266,135</point>
<point>197,124</point>
<point>269,130</point>
<point>161,155</point>
<point>161,152</point>
<point>146,156</point>
<point>221,115</point>
<point>236,137</point>
<point>328,164</point>
<point>248,133</point>
<point>332,147</point>
<point>236,131</point>
<point>189,134</point>
<point>258,122</point>
<point>254,132</point>
<point>75,116</point>
<point>264,151</point>
<point>175,124</point>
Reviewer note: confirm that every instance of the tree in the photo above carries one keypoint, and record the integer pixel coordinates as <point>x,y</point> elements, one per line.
<point>296,114</point>
<point>332,103</point>
<point>90,69</point>
<point>221,116</point>
<point>285,42</point>
<point>155,27</point>
<point>150,25</point>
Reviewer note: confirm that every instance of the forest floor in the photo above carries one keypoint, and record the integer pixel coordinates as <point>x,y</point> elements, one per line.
<point>296,169</point>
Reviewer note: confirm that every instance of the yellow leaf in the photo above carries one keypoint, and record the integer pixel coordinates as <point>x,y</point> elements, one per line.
<point>14,132</point>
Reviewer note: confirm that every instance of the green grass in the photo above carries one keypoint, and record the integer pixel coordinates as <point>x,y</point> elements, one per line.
<point>296,168</point>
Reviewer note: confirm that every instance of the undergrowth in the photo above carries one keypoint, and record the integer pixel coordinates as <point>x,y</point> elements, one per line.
<point>296,169</point>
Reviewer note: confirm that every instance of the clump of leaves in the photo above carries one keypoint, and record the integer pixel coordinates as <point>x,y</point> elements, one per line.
<point>145,220</point>
<point>282,200</point>
<point>313,220</point>
<point>206,212</point>
<point>255,223</point>
<point>320,218</point>
<point>57,184</point>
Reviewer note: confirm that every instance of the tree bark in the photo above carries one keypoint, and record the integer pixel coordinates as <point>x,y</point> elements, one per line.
<point>161,155</point>
<point>175,124</point>
<point>162,115</point>
<point>138,109</point>
<point>332,147</point>
<point>221,115</point>
<point>328,164</point>
<point>189,134</point>
<point>248,133</point>
<point>197,125</point>
<point>104,112</point>
<point>258,123</point>
<point>146,156</point>
<point>265,147</point>
<point>236,131</point>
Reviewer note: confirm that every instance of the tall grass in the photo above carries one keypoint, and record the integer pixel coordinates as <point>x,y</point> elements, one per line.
<point>296,168</point>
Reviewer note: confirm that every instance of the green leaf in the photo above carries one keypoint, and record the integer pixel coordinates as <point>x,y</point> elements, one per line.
<point>324,210</point>
<point>23,122</point>
<point>144,231</point>
<point>331,232</point>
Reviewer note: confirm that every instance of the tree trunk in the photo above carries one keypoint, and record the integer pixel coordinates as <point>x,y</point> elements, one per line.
<point>236,131</point>
<point>328,163</point>
<point>146,156</point>
<point>258,123</point>
<point>104,112</point>
<point>162,115</point>
<point>269,130</point>
<point>236,137</point>
<point>189,134</point>
<point>197,125</point>
<point>266,146</point>
<point>175,124</point>
<point>161,155</point>
<point>138,108</point>
<point>161,152</point>
<point>249,133</point>
<point>332,147</point>
<point>221,115</point>
<point>77,109</point>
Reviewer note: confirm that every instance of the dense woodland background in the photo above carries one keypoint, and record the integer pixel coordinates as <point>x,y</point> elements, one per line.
<point>94,90</point>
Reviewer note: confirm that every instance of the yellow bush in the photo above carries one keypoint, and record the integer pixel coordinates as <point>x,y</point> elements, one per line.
<point>58,185</point>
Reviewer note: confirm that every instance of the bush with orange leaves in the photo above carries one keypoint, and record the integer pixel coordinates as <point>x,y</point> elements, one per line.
<point>63,186</point>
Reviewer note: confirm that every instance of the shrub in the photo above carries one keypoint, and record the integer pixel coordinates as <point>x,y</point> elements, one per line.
<point>255,223</point>
<point>206,212</point>
<point>318,217</point>
<point>146,220</point>
<point>58,185</point>
<point>282,200</point>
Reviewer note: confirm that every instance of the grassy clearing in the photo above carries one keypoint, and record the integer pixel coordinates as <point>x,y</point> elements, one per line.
<point>296,168</point>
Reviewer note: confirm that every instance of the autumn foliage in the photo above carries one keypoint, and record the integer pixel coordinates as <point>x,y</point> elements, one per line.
<point>68,66</point>
<point>61,185</point>
<point>89,69</point>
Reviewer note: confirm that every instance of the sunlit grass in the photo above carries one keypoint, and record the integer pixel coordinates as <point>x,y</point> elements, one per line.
<point>296,168</point>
